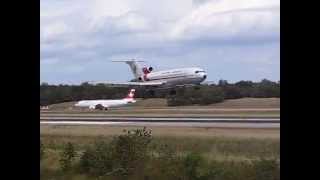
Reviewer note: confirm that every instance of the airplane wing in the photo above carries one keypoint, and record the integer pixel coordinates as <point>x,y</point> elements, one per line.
<point>155,83</point>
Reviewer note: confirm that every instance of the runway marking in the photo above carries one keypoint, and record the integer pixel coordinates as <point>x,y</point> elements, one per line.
<point>162,119</point>
<point>79,123</point>
<point>171,109</point>
<point>170,124</point>
<point>159,116</point>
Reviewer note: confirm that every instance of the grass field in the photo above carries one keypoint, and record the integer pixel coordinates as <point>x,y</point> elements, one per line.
<point>229,151</point>
<point>265,103</point>
<point>101,130</point>
<point>239,144</point>
<point>217,148</point>
<point>157,107</point>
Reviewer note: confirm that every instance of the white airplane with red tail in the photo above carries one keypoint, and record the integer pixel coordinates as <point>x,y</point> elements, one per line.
<point>147,77</point>
<point>105,104</point>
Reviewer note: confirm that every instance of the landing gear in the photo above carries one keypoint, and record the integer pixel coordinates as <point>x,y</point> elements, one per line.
<point>101,107</point>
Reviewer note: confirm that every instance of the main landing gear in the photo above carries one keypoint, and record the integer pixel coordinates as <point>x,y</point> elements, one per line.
<point>101,107</point>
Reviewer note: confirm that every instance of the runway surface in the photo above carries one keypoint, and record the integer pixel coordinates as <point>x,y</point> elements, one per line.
<point>235,122</point>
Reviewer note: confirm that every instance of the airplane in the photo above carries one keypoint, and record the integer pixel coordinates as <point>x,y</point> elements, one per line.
<point>105,104</point>
<point>166,79</point>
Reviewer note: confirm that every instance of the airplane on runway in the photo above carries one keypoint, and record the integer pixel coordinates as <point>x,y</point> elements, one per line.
<point>105,104</point>
<point>147,77</point>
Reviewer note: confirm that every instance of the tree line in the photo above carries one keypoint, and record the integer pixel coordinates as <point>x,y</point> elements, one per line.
<point>200,94</point>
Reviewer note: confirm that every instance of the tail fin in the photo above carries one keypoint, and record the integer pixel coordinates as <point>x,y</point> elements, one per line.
<point>135,68</point>
<point>130,95</point>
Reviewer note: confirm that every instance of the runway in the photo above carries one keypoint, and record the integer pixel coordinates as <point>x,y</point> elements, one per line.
<point>234,122</point>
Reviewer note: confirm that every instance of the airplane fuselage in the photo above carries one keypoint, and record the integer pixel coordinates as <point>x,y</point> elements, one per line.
<point>106,103</point>
<point>176,77</point>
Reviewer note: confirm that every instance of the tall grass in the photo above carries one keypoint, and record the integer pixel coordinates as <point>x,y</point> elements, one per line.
<point>165,158</point>
<point>244,147</point>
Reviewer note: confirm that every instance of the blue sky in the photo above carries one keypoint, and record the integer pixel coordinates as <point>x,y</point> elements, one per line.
<point>230,39</point>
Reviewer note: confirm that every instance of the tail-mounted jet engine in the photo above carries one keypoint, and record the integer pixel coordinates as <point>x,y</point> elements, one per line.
<point>146,70</point>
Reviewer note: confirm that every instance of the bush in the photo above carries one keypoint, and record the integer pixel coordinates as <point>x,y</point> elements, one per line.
<point>192,163</point>
<point>67,156</point>
<point>130,150</point>
<point>166,164</point>
<point>42,150</point>
<point>122,157</point>
<point>97,160</point>
<point>267,169</point>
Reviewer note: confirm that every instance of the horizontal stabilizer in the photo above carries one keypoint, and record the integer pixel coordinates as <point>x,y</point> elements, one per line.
<point>127,60</point>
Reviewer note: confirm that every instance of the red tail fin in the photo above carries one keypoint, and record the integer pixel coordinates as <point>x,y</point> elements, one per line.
<point>131,94</point>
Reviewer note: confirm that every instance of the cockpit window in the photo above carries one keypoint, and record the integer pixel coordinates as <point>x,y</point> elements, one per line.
<point>199,71</point>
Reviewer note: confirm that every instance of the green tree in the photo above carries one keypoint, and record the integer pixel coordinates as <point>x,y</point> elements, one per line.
<point>201,95</point>
<point>210,95</point>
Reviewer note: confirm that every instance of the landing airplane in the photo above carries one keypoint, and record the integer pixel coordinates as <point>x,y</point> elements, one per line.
<point>105,104</point>
<point>146,77</point>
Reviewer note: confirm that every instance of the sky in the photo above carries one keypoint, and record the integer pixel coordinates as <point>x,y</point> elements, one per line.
<point>231,39</point>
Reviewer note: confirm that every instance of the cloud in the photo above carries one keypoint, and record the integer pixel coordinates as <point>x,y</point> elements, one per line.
<point>81,33</point>
<point>231,20</point>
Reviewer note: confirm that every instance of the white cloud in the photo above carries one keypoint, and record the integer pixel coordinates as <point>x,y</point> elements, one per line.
<point>80,32</point>
<point>53,31</point>
<point>229,19</point>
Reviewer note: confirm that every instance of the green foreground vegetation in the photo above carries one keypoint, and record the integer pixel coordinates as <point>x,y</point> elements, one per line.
<point>136,154</point>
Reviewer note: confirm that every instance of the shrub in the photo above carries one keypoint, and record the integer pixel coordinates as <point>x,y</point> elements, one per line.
<point>97,160</point>
<point>167,164</point>
<point>67,156</point>
<point>130,151</point>
<point>121,157</point>
<point>267,169</point>
<point>191,164</point>
<point>42,150</point>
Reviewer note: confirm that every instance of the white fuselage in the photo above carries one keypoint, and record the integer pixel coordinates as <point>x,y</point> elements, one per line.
<point>105,103</point>
<point>177,76</point>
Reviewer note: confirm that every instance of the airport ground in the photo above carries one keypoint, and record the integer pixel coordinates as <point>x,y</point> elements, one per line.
<point>235,145</point>
<point>158,107</point>
<point>238,108</point>
<point>160,103</point>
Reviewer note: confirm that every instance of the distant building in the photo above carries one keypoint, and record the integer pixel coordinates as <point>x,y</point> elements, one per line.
<point>44,107</point>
